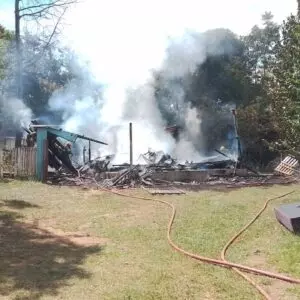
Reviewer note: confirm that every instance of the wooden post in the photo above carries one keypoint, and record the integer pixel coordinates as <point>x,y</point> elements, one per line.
<point>16,161</point>
<point>90,156</point>
<point>45,159</point>
<point>18,140</point>
<point>1,163</point>
<point>130,142</point>
<point>40,155</point>
<point>83,154</point>
<point>237,134</point>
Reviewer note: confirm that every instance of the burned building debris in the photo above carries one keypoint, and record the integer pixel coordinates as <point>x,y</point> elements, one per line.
<point>51,150</point>
<point>155,168</point>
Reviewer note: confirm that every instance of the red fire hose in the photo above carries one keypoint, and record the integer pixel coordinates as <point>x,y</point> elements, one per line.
<point>222,263</point>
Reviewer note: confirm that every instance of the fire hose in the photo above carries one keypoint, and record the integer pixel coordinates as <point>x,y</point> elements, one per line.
<point>223,262</point>
<point>231,241</point>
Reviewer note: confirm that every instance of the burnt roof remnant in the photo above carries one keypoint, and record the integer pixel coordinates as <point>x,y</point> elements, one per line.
<point>59,154</point>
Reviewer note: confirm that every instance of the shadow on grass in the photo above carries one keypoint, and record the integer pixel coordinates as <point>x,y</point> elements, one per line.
<point>5,180</point>
<point>35,262</point>
<point>18,204</point>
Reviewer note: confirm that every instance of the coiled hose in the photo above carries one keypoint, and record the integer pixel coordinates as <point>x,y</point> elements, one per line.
<point>231,241</point>
<point>223,262</point>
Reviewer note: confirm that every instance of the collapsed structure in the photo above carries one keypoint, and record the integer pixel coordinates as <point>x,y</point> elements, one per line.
<point>54,150</point>
<point>51,151</point>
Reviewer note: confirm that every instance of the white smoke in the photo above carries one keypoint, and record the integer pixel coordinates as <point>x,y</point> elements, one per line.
<point>123,65</point>
<point>184,54</point>
<point>108,119</point>
<point>15,112</point>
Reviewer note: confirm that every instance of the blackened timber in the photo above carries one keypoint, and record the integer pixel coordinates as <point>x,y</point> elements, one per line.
<point>90,139</point>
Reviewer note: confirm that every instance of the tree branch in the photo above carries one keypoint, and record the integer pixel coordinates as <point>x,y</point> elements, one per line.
<point>36,59</point>
<point>47,7</point>
<point>55,27</point>
<point>38,6</point>
<point>56,3</point>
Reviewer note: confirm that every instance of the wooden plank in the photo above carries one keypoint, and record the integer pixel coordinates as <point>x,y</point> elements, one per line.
<point>7,161</point>
<point>164,192</point>
<point>16,162</point>
<point>30,153</point>
<point>28,161</point>
<point>13,162</point>
<point>41,153</point>
<point>1,163</point>
<point>287,166</point>
<point>45,159</point>
<point>32,161</point>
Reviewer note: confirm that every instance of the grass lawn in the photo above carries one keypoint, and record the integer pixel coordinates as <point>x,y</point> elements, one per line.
<point>131,258</point>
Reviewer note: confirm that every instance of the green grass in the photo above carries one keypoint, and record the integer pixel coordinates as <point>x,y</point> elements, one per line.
<point>136,261</point>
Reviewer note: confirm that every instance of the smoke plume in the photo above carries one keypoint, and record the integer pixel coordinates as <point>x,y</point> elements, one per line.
<point>106,116</point>
<point>101,107</point>
<point>14,114</point>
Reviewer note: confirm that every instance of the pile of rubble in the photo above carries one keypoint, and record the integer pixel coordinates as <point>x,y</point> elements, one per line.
<point>156,167</point>
<point>101,173</point>
<point>129,177</point>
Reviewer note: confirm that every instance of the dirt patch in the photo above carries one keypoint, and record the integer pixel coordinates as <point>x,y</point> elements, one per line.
<point>257,260</point>
<point>52,234</point>
<point>78,238</point>
<point>277,289</point>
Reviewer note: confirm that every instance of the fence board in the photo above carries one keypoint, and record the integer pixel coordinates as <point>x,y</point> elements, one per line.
<point>8,143</point>
<point>18,162</point>
<point>1,163</point>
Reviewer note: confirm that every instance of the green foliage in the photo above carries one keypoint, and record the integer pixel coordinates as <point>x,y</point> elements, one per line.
<point>259,128</point>
<point>5,35</point>
<point>285,86</point>
<point>261,47</point>
<point>5,39</point>
<point>47,68</point>
<point>271,124</point>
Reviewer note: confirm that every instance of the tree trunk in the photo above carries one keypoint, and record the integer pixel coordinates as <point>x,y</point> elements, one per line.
<point>19,85</point>
<point>298,9</point>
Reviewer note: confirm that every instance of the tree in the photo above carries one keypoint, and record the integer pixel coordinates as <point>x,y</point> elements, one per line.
<point>261,46</point>
<point>257,122</point>
<point>5,40</point>
<point>35,10</point>
<point>284,89</point>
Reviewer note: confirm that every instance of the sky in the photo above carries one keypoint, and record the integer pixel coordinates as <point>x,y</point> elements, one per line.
<point>124,39</point>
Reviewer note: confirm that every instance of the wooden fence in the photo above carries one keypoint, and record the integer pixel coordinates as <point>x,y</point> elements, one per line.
<point>8,143</point>
<point>18,162</point>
